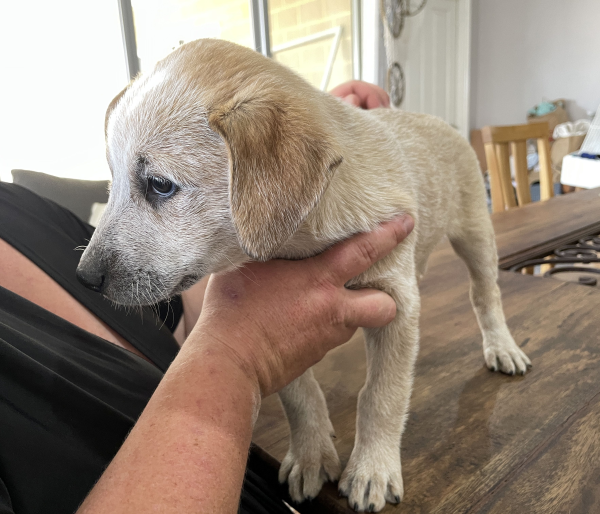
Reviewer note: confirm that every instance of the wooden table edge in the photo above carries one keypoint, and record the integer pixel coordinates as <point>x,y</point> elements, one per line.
<point>510,260</point>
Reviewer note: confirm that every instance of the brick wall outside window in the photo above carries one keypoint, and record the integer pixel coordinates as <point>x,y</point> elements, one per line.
<point>292,19</point>
<point>162,24</point>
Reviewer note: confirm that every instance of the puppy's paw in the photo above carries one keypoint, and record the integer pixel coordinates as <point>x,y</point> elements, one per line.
<point>369,482</point>
<point>503,354</point>
<point>308,465</point>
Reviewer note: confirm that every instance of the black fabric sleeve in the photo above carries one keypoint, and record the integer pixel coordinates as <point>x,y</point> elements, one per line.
<point>67,397</point>
<point>5,503</point>
<point>51,237</point>
<point>38,213</point>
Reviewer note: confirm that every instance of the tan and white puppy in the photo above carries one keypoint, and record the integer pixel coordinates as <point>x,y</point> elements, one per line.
<point>220,155</point>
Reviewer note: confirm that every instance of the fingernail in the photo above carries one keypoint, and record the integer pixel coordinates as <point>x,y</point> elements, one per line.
<point>408,223</point>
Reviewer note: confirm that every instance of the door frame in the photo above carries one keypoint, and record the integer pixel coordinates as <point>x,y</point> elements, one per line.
<point>463,67</point>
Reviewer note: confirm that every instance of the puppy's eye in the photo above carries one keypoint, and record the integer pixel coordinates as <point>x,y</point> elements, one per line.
<point>161,186</point>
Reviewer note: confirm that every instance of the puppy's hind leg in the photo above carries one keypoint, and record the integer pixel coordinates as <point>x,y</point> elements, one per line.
<point>312,458</point>
<point>474,242</point>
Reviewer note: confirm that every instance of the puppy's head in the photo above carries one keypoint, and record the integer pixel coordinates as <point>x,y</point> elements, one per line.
<point>217,156</point>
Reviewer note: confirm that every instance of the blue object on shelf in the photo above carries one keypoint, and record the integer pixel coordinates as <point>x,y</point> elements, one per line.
<point>592,156</point>
<point>542,109</point>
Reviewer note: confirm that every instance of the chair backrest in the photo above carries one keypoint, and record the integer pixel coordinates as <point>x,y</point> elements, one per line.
<point>496,141</point>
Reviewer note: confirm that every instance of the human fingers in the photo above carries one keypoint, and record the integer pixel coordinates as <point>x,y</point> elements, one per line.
<point>383,96</point>
<point>376,100</point>
<point>369,96</point>
<point>343,90</point>
<point>352,100</point>
<point>372,96</point>
<point>368,308</point>
<point>350,258</point>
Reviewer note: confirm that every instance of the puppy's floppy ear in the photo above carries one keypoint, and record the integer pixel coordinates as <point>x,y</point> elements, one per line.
<point>280,162</point>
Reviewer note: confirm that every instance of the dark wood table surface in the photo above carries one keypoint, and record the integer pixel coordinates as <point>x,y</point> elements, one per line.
<point>476,441</point>
<point>537,227</point>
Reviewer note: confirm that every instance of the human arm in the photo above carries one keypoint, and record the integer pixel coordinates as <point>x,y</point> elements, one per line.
<point>187,452</point>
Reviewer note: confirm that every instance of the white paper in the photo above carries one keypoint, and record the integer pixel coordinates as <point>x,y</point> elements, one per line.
<point>591,143</point>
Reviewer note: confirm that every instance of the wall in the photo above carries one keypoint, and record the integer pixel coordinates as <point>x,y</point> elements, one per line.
<point>526,50</point>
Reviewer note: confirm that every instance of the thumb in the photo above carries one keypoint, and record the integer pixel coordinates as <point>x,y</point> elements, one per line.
<point>368,308</point>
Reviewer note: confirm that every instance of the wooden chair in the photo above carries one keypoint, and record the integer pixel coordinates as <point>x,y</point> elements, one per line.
<point>496,141</point>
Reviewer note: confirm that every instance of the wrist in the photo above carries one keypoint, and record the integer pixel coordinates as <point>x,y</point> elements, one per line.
<point>226,370</point>
<point>188,450</point>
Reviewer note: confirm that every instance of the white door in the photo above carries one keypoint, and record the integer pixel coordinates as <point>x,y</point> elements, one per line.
<point>433,51</point>
<point>430,66</point>
<point>436,67</point>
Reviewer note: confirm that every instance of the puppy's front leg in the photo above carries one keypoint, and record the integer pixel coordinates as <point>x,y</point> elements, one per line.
<point>311,459</point>
<point>374,474</point>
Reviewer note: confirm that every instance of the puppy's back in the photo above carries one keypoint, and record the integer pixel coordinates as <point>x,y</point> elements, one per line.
<point>440,165</point>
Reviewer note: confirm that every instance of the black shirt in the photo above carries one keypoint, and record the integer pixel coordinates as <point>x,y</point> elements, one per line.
<point>67,397</point>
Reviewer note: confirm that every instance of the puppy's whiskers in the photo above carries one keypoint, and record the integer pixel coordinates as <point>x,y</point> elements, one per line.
<point>151,297</point>
<point>170,309</point>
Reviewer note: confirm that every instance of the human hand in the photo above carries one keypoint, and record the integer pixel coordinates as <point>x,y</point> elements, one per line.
<point>362,94</point>
<point>261,327</point>
<point>276,319</point>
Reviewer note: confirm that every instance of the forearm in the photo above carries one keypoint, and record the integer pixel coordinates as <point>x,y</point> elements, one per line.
<point>188,451</point>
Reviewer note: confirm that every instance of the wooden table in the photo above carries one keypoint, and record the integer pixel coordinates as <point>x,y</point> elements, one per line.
<point>538,227</point>
<point>476,441</point>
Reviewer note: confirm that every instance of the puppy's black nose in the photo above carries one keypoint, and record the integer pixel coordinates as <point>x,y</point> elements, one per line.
<point>92,279</point>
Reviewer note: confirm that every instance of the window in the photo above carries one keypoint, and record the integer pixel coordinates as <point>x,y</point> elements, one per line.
<point>314,38</point>
<point>163,25</point>
<point>63,62</point>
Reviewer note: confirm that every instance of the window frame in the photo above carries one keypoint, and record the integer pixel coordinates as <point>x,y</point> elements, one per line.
<point>259,16</point>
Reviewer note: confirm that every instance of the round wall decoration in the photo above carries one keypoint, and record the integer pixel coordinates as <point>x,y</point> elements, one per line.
<point>393,13</point>
<point>412,8</point>
<point>396,87</point>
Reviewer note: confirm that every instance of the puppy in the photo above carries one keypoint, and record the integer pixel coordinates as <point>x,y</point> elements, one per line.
<point>220,155</point>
